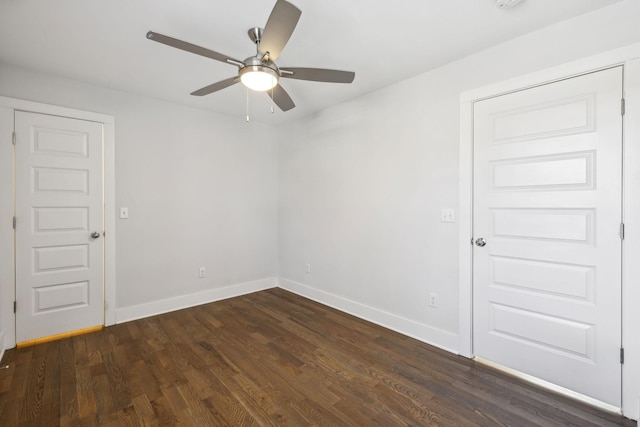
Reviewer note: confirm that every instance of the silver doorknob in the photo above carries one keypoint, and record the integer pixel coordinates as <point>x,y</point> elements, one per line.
<point>95,235</point>
<point>480,242</point>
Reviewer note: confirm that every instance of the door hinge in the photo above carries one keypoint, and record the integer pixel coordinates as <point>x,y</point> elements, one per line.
<point>622,106</point>
<point>14,222</point>
<point>13,138</point>
<point>14,306</point>
<point>621,355</point>
<point>621,232</point>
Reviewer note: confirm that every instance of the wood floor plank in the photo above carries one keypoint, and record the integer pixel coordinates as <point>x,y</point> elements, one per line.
<point>68,392</point>
<point>50,413</point>
<point>143,408</point>
<point>32,402</point>
<point>162,409</point>
<point>226,407</point>
<point>85,384</point>
<point>270,358</point>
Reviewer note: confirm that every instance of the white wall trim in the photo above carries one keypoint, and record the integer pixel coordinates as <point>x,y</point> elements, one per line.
<point>110,209</point>
<point>166,305</point>
<point>574,68</point>
<point>631,244</point>
<point>425,333</point>
<point>631,271</point>
<point>7,286</point>
<point>7,267</point>
<point>56,110</point>
<point>465,215</point>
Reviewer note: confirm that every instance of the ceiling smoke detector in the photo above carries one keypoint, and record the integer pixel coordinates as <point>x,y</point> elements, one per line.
<point>506,4</point>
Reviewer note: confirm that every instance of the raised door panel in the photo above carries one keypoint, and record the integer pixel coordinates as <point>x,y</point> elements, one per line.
<point>59,267</point>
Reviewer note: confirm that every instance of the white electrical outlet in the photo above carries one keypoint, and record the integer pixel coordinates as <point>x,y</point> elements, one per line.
<point>433,300</point>
<point>202,273</point>
<point>448,215</point>
<point>308,268</point>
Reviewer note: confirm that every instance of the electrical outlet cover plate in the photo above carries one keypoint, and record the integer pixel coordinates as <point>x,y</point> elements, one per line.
<point>433,300</point>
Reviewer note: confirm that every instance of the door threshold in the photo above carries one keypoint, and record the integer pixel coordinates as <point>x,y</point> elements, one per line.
<point>551,387</point>
<point>56,337</point>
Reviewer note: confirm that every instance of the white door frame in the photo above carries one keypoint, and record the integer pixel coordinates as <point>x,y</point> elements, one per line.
<point>7,209</point>
<point>628,56</point>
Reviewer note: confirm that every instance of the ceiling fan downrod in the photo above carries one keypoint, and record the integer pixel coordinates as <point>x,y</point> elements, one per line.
<point>255,34</point>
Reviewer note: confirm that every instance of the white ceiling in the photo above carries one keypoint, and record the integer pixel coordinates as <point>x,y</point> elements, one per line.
<point>103,42</point>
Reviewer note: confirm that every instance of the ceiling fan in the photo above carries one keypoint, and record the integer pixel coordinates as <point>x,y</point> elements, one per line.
<point>259,72</point>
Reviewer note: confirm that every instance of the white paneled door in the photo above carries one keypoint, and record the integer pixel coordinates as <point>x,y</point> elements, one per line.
<point>59,225</point>
<point>547,243</point>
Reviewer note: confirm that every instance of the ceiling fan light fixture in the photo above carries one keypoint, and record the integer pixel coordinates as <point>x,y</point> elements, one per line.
<point>258,77</point>
<point>260,72</point>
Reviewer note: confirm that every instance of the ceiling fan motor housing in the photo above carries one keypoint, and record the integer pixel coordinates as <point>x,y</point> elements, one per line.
<point>265,75</point>
<point>253,63</point>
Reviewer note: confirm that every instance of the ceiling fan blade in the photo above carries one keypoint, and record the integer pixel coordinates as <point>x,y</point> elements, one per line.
<point>198,50</point>
<point>281,98</point>
<point>318,75</point>
<point>216,86</point>
<point>280,25</point>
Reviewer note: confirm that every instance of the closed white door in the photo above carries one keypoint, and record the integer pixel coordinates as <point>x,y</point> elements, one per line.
<point>547,204</point>
<point>59,225</point>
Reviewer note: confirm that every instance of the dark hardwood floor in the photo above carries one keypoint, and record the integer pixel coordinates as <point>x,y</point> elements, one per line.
<point>269,359</point>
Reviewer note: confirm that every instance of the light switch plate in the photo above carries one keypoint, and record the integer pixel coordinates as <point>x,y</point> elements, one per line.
<point>124,213</point>
<point>448,215</point>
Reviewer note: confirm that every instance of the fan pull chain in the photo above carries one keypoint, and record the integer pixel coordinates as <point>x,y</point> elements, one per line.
<point>247,105</point>
<point>272,100</point>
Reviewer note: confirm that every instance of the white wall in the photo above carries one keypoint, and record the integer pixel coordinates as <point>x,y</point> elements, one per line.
<point>361,189</point>
<point>362,184</point>
<point>201,189</point>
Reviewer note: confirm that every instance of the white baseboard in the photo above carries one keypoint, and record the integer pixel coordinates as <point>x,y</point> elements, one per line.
<point>153,308</point>
<point>428,334</point>
<point>425,333</point>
